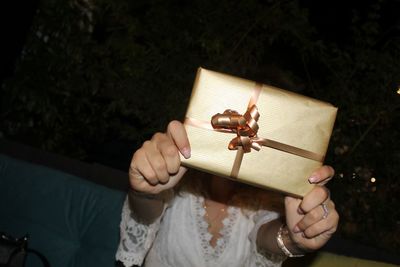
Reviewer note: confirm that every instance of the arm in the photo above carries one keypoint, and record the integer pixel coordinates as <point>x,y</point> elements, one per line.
<point>146,207</point>
<point>308,226</point>
<point>266,239</point>
<point>155,169</point>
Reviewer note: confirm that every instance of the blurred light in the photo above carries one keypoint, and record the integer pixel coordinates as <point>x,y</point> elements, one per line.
<point>341,175</point>
<point>373,179</point>
<point>398,91</point>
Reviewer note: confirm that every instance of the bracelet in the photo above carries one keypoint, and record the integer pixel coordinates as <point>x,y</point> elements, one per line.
<point>283,232</point>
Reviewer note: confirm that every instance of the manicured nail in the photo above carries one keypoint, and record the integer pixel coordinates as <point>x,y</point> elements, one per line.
<point>313,179</point>
<point>296,229</point>
<point>186,152</point>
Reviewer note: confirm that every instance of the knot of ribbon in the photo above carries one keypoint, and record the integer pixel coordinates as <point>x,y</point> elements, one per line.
<point>245,126</point>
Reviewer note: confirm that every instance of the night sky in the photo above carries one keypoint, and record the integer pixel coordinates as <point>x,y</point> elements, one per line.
<point>332,18</point>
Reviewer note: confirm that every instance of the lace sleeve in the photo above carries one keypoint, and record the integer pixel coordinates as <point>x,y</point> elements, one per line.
<point>263,258</point>
<point>136,238</point>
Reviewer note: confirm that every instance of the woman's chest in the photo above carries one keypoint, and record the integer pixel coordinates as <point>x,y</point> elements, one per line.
<point>186,238</point>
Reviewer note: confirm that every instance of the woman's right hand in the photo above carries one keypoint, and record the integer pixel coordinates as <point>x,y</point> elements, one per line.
<point>156,166</point>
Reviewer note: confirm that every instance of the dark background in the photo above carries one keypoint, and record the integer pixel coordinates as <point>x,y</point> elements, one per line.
<point>92,80</point>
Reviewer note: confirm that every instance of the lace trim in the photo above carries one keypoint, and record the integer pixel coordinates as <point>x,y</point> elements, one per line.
<point>213,253</point>
<point>267,259</point>
<point>136,238</point>
<point>263,258</point>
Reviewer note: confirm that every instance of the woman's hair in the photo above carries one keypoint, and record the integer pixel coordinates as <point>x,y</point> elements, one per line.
<point>245,196</point>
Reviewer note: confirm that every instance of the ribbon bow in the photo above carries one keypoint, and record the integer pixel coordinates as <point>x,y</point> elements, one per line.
<point>245,126</point>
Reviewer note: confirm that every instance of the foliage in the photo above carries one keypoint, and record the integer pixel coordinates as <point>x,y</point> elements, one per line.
<point>93,72</point>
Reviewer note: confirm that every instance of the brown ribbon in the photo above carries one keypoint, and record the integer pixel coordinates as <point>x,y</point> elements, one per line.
<point>246,127</point>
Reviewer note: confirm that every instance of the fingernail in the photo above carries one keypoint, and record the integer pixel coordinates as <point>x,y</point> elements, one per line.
<point>313,179</point>
<point>296,229</point>
<point>303,235</point>
<point>186,152</point>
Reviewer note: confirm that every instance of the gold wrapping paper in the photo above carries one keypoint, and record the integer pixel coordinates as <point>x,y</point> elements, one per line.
<point>285,117</point>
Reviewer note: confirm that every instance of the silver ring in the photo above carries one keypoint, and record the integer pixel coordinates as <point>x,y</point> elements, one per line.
<point>326,210</point>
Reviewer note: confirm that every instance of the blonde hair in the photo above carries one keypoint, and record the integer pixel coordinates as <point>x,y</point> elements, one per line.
<point>245,196</point>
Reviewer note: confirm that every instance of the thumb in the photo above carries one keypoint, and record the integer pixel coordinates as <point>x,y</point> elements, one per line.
<point>176,131</point>
<point>292,211</point>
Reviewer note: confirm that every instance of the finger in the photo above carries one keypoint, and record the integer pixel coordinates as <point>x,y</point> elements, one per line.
<point>292,206</point>
<point>157,162</point>
<point>322,175</point>
<point>314,198</point>
<point>170,153</point>
<point>324,228</point>
<point>141,169</point>
<point>168,150</point>
<point>173,180</point>
<point>177,132</point>
<point>314,216</point>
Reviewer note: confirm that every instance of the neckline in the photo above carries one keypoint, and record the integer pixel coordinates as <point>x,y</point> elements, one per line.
<point>210,252</point>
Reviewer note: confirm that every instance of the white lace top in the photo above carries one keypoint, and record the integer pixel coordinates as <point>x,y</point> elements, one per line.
<point>180,238</point>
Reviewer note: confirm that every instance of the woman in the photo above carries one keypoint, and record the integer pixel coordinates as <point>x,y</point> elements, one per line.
<point>166,222</point>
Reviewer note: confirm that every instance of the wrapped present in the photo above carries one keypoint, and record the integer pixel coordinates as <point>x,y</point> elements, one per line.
<point>255,133</point>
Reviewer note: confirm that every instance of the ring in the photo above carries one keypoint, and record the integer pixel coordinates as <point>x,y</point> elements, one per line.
<point>326,211</point>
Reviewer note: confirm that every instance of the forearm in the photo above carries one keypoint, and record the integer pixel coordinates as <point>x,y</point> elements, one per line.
<point>267,239</point>
<point>146,208</point>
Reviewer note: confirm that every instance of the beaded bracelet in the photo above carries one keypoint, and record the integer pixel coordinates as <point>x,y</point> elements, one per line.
<point>279,240</point>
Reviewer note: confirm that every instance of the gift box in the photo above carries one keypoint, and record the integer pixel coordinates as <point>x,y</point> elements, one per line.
<point>256,133</point>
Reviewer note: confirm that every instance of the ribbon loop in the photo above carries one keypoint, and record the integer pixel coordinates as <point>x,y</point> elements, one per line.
<point>245,126</point>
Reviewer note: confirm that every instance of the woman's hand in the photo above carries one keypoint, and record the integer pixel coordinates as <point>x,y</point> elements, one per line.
<point>312,220</point>
<point>156,166</point>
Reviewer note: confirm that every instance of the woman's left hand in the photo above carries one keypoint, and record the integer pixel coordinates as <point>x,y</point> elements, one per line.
<point>312,220</point>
